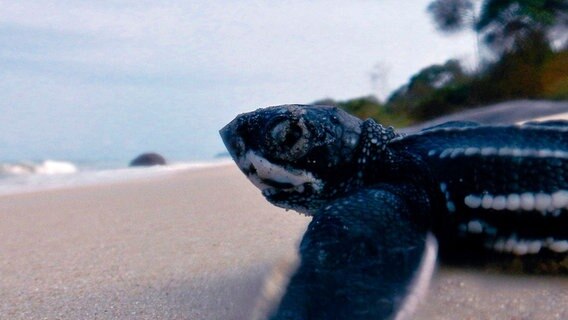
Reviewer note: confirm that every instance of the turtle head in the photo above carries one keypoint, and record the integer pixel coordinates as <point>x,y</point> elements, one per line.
<point>298,156</point>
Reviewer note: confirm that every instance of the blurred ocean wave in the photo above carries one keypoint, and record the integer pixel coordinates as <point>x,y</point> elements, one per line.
<point>47,167</point>
<point>28,176</point>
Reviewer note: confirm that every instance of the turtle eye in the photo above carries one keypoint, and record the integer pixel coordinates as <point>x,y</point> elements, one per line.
<point>289,138</point>
<point>286,134</point>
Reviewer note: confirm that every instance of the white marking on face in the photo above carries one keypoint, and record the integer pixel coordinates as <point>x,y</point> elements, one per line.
<point>265,170</point>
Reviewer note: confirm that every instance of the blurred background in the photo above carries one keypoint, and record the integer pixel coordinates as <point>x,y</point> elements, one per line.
<point>91,85</point>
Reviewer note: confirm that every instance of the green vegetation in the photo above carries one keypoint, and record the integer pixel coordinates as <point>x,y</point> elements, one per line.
<point>526,65</point>
<point>370,107</point>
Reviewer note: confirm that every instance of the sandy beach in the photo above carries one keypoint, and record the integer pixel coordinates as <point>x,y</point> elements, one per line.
<point>194,244</point>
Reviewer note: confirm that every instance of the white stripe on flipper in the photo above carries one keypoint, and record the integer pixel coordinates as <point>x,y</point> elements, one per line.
<point>419,286</point>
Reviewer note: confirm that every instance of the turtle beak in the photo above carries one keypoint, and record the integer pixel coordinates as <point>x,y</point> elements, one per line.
<point>235,135</point>
<point>227,133</point>
<point>232,140</point>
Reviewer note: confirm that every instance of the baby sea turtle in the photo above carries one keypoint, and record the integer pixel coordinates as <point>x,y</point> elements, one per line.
<point>381,202</point>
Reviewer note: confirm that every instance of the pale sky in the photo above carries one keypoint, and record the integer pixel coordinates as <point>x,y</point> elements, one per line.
<point>82,79</point>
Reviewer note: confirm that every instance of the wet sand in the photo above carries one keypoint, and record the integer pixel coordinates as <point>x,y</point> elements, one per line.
<point>194,245</point>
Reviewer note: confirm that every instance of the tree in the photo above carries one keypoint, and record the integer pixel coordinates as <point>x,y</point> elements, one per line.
<point>452,15</point>
<point>424,85</point>
<point>369,107</point>
<point>506,24</point>
<point>503,24</point>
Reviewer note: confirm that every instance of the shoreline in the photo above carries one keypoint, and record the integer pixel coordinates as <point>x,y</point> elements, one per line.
<point>32,183</point>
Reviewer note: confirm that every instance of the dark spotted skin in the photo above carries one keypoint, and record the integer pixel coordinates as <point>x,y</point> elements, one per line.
<point>376,196</point>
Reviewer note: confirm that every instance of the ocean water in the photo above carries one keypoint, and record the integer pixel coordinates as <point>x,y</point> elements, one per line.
<point>35,157</point>
<point>30,176</point>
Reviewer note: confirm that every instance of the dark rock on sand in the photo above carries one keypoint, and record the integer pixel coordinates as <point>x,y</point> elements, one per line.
<point>147,160</point>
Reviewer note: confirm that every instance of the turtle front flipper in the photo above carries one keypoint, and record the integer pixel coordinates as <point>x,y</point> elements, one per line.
<point>365,256</point>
